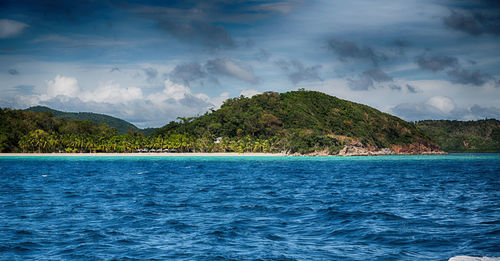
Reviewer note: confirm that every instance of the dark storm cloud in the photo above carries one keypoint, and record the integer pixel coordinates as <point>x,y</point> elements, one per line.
<point>151,73</point>
<point>463,76</point>
<point>13,72</point>
<point>186,73</point>
<point>474,23</point>
<point>348,49</point>
<point>297,72</point>
<point>436,63</point>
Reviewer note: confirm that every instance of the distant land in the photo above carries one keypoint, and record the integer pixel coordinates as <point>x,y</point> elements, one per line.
<point>464,136</point>
<point>121,125</point>
<point>293,123</point>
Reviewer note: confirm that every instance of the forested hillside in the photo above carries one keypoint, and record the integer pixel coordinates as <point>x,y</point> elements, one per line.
<point>121,125</point>
<point>302,122</point>
<point>464,136</point>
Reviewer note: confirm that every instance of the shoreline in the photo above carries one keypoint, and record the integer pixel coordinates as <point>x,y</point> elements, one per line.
<point>147,154</point>
<point>197,154</point>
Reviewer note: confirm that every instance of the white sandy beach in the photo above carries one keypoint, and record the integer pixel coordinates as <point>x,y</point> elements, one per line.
<point>196,154</point>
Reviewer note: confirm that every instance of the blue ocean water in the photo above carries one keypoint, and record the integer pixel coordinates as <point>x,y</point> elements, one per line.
<point>290,208</point>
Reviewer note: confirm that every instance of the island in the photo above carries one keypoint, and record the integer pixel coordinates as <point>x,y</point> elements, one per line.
<point>292,123</point>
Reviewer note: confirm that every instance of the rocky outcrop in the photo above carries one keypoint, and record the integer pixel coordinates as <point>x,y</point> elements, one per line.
<point>358,149</point>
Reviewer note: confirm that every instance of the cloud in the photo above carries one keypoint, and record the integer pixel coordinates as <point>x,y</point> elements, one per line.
<point>437,107</point>
<point>151,73</point>
<point>230,68</point>
<point>395,87</point>
<point>13,72</point>
<point>378,75</point>
<point>249,93</point>
<point>367,79</point>
<point>171,90</point>
<point>297,72</point>
<point>444,104</point>
<point>474,23</point>
<point>347,49</point>
<point>463,76</point>
<point>24,89</point>
<point>129,103</point>
<point>443,108</point>
<point>191,25</point>
<point>478,112</point>
<point>110,92</point>
<point>278,7</point>
<point>10,28</point>
<point>402,45</point>
<point>61,86</point>
<point>186,73</point>
<point>436,63</point>
<point>411,89</point>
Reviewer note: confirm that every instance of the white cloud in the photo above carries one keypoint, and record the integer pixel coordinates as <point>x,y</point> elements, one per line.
<point>249,93</point>
<point>156,109</point>
<point>231,68</point>
<point>217,101</point>
<point>111,92</point>
<point>10,28</point>
<point>444,104</point>
<point>61,86</point>
<point>172,91</point>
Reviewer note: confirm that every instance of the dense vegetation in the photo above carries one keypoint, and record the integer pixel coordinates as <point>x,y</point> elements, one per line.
<point>299,121</point>
<point>121,125</point>
<point>294,122</point>
<point>464,136</point>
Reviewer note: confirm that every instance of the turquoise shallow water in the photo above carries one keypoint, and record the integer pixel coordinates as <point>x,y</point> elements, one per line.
<point>268,208</point>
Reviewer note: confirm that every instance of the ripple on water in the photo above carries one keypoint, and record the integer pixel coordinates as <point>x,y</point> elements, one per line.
<point>381,208</point>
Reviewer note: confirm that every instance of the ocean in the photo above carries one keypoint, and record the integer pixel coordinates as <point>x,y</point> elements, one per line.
<point>269,208</point>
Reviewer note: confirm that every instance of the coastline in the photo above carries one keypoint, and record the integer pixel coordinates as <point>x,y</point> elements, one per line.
<point>205,154</point>
<point>148,154</point>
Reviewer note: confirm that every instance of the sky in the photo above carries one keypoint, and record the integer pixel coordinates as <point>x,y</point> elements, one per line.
<point>149,62</point>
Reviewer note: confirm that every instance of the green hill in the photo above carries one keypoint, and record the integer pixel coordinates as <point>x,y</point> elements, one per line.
<point>305,122</point>
<point>28,131</point>
<point>121,125</point>
<point>464,136</point>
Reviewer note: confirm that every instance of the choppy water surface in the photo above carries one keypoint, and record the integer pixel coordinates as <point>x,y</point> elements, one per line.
<point>359,208</point>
